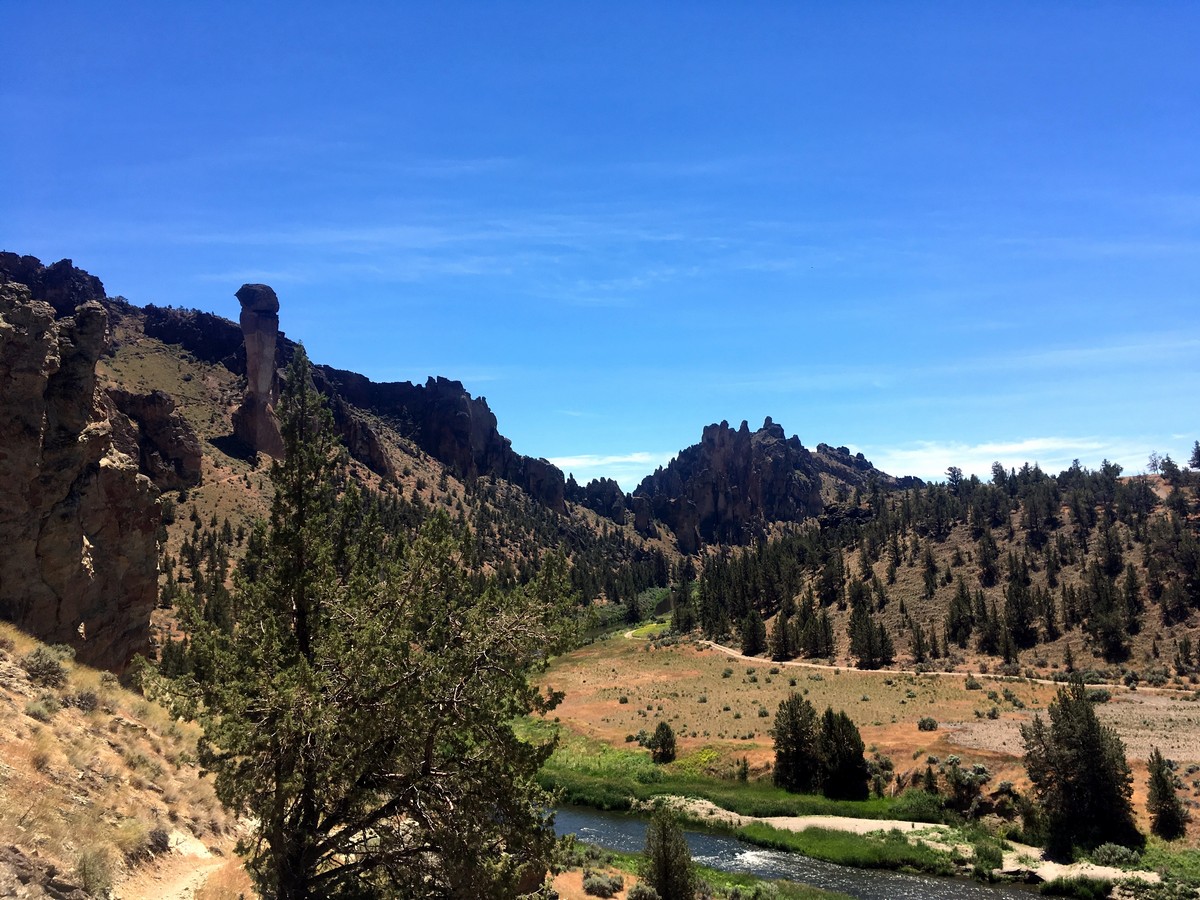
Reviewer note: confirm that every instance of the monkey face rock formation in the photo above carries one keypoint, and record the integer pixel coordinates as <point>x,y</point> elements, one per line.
<point>78,522</point>
<point>254,422</point>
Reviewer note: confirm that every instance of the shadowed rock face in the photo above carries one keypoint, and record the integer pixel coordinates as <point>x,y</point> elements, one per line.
<point>78,521</point>
<point>445,421</point>
<point>254,422</point>
<point>731,485</point>
<point>163,442</point>
<point>60,284</point>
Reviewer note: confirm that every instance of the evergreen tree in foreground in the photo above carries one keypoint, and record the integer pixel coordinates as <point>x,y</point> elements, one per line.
<point>1168,818</point>
<point>359,707</point>
<point>797,746</point>
<point>1080,776</point>
<point>668,866</point>
<point>824,754</point>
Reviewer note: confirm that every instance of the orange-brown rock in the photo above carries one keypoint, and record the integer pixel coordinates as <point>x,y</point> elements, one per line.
<point>78,522</point>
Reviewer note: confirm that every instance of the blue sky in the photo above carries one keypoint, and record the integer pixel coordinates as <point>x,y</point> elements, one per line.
<point>939,233</point>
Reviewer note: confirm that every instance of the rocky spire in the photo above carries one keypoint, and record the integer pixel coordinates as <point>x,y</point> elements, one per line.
<point>254,422</point>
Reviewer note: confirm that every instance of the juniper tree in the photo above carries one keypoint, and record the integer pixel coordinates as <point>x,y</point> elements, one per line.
<point>797,746</point>
<point>1080,775</point>
<point>662,744</point>
<point>1168,818</point>
<point>359,709</point>
<point>668,865</point>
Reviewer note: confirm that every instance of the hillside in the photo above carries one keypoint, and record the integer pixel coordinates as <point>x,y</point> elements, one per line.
<point>99,787</point>
<point>181,397</point>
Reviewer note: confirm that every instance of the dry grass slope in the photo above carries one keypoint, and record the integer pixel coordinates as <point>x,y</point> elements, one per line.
<point>94,779</point>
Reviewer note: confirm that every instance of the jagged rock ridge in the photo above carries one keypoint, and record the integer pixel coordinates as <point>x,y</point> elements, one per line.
<point>731,485</point>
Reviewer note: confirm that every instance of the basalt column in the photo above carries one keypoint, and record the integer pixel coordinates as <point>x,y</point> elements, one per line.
<point>255,422</point>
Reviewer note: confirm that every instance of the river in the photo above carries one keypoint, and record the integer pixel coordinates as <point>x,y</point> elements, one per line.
<point>628,834</point>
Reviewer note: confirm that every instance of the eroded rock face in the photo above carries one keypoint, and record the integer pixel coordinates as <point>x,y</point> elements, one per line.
<point>601,495</point>
<point>445,421</point>
<point>163,441</point>
<point>731,485</point>
<point>254,422</point>
<point>78,521</point>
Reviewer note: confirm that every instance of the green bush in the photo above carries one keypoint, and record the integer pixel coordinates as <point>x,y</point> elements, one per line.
<point>596,884</point>
<point>1115,855</point>
<point>43,709</point>
<point>94,871</point>
<point>920,806</point>
<point>988,858</point>
<point>1080,888</point>
<point>642,891</point>
<point>44,667</point>
<point>927,723</point>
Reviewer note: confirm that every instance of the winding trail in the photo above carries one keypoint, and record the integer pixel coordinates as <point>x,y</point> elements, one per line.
<point>176,875</point>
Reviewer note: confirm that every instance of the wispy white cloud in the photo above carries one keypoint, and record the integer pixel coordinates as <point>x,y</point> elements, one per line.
<point>627,469</point>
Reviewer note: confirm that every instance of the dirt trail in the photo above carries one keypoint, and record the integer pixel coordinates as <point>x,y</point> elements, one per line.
<point>176,875</point>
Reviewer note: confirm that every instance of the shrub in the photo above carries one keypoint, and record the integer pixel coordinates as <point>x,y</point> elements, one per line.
<point>927,723</point>
<point>44,667</point>
<point>43,709</point>
<point>622,699</point>
<point>1115,855</point>
<point>988,858</point>
<point>642,891</point>
<point>1099,695</point>
<point>94,871</point>
<point>973,684</point>
<point>727,673</point>
<point>762,712</point>
<point>597,884</point>
<point>994,712</point>
<point>86,701</point>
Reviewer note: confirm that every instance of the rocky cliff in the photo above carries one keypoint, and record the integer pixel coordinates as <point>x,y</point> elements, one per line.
<point>78,521</point>
<point>160,439</point>
<point>731,485</point>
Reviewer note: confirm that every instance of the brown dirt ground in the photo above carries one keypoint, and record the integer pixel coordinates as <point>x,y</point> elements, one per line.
<point>667,684</point>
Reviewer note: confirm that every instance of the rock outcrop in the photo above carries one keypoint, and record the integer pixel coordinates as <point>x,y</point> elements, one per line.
<point>163,441</point>
<point>60,284</point>
<point>78,522</point>
<point>601,495</point>
<point>254,422</point>
<point>210,338</point>
<point>459,430</point>
<point>734,483</point>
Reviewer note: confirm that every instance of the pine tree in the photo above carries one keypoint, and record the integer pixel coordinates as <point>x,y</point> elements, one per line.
<point>668,861</point>
<point>754,634</point>
<point>798,764</point>
<point>359,708</point>
<point>844,768</point>
<point>1168,818</point>
<point>1080,775</point>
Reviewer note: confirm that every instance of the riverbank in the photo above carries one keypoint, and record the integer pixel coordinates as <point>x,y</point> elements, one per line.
<point>946,853</point>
